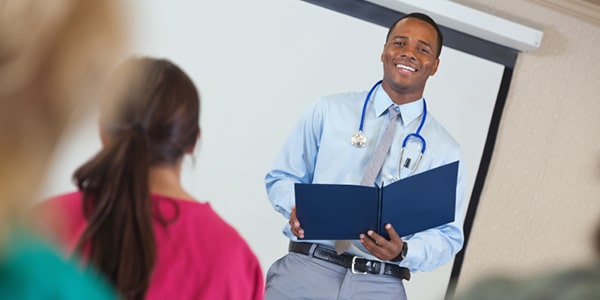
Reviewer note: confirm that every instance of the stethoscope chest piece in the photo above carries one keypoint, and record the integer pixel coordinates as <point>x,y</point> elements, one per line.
<point>359,139</point>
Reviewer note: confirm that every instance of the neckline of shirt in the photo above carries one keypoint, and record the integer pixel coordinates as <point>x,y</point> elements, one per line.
<point>408,111</point>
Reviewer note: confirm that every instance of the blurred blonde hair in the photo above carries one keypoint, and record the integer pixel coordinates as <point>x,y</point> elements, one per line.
<point>54,57</point>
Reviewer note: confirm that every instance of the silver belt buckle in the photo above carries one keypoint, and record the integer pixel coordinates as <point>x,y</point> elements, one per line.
<point>352,267</point>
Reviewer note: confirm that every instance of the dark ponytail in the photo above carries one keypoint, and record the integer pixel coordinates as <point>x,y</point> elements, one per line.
<point>117,206</point>
<point>154,123</point>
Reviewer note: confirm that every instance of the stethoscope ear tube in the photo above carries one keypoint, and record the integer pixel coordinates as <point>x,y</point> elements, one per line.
<point>359,139</point>
<point>417,136</point>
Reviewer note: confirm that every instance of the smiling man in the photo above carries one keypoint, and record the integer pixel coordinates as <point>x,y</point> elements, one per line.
<point>410,56</point>
<point>329,146</point>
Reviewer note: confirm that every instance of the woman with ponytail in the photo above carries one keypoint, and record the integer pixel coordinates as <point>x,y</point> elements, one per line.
<point>131,219</point>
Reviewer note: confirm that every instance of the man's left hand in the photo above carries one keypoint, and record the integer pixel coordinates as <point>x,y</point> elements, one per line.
<point>379,246</point>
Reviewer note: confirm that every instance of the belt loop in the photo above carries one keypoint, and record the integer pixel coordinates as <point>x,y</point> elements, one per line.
<point>381,268</point>
<point>312,249</point>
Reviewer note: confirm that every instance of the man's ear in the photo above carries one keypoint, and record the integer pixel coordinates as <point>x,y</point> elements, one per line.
<point>435,66</point>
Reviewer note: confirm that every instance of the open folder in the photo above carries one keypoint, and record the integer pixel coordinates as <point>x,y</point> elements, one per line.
<point>343,211</point>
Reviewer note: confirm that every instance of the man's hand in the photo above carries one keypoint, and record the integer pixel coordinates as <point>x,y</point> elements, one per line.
<point>295,225</point>
<point>379,246</point>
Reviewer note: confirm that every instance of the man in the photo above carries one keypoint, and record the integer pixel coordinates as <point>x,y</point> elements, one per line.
<point>319,151</point>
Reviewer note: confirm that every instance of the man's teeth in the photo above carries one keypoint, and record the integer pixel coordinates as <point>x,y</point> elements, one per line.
<point>406,67</point>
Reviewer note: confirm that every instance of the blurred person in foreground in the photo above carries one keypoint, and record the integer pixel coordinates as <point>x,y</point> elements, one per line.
<point>54,56</point>
<point>576,283</point>
<point>132,219</point>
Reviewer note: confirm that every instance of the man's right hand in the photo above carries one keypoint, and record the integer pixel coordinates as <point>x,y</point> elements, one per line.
<point>295,224</point>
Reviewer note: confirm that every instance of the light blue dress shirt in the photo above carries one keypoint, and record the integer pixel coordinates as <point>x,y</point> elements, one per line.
<point>319,150</point>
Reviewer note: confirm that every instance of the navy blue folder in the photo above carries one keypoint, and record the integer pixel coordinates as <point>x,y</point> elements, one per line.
<point>343,211</point>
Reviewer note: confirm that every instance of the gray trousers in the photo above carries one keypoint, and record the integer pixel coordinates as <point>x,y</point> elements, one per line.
<point>298,276</point>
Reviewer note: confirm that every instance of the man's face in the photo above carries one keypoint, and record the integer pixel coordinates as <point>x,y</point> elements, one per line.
<point>409,58</point>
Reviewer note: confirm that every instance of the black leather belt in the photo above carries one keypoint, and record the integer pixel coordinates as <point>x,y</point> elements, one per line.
<point>357,265</point>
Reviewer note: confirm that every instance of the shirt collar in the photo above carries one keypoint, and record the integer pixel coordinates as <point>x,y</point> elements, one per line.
<point>408,111</point>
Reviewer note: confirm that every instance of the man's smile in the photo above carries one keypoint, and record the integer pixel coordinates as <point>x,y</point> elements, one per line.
<point>405,67</point>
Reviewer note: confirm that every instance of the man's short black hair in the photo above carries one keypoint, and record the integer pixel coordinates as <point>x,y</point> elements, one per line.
<point>425,18</point>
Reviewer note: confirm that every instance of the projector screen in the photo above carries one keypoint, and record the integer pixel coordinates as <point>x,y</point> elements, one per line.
<point>258,65</point>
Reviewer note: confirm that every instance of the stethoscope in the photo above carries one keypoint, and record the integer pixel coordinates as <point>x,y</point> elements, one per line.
<point>360,140</point>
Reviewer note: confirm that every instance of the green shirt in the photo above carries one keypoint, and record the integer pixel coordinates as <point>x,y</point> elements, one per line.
<point>33,269</point>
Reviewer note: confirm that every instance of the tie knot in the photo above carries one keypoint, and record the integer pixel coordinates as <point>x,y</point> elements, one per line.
<point>394,112</point>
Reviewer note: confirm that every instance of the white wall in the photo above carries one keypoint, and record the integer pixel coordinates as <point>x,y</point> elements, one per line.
<point>258,64</point>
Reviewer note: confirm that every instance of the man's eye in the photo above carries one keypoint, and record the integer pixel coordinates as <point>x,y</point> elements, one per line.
<point>424,50</point>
